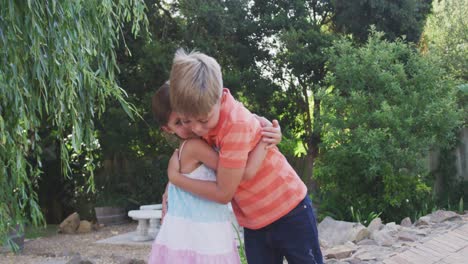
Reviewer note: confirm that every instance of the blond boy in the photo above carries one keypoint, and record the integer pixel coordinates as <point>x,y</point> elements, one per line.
<point>273,206</point>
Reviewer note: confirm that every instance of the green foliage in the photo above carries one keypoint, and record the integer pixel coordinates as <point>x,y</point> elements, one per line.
<point>57,71</point>
<point>296,36</point>
<point>448,182</point>
<point>229,32</point>
<point>151,181</point>
<point>462,96</point>
<point>446,35</point>
<point>33,232</point>
<point>426,208</point>
<point>358,217</point>
<point>380,121</point>
<point>461,206</point>
<point>133,170</point>
<point>465,194</point>
<point>394,17</point>
<point>224,30</point>
<point>242,255</point>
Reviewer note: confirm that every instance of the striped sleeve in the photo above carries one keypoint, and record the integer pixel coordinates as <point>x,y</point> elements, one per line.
<point>236,145</point>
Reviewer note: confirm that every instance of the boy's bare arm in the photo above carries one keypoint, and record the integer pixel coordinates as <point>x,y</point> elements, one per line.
<point>256,157</point>
<point>228,180</point>
<point>271,136</point>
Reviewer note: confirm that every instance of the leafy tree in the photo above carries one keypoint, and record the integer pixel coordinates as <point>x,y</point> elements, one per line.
<point>387,107</point>
<point>296,33</point>
<point>394,17</point>
<point>229,32</point>
<point>224,30</point>
<point>446,35</point>
<point>57,70</point>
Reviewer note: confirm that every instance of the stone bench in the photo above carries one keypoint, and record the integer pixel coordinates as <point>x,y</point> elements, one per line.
<point>151,207</point>
<point>154,223</point>
<point>145,232</point>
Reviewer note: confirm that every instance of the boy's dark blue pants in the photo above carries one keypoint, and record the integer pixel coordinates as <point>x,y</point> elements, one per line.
<point>293,236</point>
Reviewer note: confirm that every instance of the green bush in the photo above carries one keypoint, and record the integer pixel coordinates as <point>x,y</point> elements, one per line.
<point>386,108</point>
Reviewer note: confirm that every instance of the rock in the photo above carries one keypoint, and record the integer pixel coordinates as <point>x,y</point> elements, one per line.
<point>367,242</point>
<point>70,224</point>
<point>407,236</point>
<point>375,225</point>
<point>440,216</point>
<point>84,227</point>
<point>406,222</point>
<point>425,220</point>
<point>359,233</point>
<point>384,238</point>
<point>341,251</point>
<point>365,256</point>
<point>372,253</point>
<point>333,232</point>
<point>329,261</point>
<point>421,232</point>
<point>392,228</point>
<point>323,244</point>
<point>355,261</point>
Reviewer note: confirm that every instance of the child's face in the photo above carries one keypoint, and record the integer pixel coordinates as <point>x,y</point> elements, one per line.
<point>174,125</point>
<point>201,125</point>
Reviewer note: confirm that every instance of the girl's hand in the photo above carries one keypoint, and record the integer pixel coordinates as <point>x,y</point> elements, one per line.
<point>164,205</point>
<point>173,167</point>
<point>272,134</point>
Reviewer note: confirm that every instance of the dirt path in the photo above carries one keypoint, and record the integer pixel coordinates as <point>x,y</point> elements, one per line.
<point>61,248</point>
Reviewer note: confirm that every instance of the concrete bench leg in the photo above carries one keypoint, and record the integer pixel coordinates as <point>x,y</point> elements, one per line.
<point>142,231</point>
<point>153,227</point>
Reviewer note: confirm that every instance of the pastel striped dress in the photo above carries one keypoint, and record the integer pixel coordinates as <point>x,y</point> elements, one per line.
<point>195,230</point>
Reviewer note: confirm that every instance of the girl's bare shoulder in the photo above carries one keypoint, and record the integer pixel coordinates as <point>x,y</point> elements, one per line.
<point>195,143</point>
<point>191,147</point>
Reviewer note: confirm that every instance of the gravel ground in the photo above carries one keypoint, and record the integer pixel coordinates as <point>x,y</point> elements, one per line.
<point>61,248</point>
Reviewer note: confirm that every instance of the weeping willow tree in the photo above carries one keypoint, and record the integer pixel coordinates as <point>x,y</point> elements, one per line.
<point>57,68</point>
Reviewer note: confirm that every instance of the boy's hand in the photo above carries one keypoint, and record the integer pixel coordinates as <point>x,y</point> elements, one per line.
<point>272,134</point>
<point>173,167</point>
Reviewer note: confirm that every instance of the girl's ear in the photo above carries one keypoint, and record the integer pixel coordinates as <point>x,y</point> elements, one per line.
<point>167,129</point>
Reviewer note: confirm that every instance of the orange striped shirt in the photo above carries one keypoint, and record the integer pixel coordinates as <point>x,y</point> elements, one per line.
<point>276,188</point>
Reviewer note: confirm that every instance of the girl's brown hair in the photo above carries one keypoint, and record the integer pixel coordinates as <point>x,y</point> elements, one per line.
<point>161,105</point>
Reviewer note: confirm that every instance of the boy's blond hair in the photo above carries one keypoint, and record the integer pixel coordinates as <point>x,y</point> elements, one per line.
<point>196,83</point>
